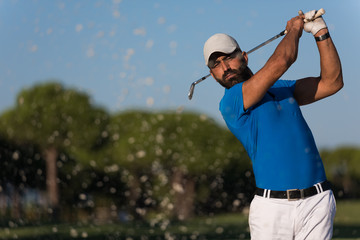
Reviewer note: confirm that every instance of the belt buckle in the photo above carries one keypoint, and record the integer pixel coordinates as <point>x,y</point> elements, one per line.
<point>293,190</point>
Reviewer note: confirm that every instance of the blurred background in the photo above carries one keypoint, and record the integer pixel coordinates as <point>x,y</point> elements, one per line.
<point>99,140</point>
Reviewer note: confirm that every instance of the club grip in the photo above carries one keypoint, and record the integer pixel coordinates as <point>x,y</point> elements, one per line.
<point>318,13</point>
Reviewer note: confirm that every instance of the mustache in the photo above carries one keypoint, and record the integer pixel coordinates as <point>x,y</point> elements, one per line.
<point>238,72</point>
<point>242,74</point>
<point>230,71</point>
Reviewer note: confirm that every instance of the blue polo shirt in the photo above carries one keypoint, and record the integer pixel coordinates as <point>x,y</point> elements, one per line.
<point>275,136</point>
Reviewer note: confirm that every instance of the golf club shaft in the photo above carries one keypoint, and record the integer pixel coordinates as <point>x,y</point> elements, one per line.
<point>202,79</point>
<point>250,51</point>
<point>191,91</point>
<point>266,42</point>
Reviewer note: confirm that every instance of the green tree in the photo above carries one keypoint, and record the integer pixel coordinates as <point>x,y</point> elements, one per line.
<point>56,119</point>
<point>20,168</point>
<point>342,167</point>
<point>165,157</point>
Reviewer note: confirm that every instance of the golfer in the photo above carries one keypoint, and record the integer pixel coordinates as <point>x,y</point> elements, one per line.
<point>293,199</point>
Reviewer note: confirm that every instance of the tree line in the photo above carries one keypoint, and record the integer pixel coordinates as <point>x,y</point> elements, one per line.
<point>135,164</point>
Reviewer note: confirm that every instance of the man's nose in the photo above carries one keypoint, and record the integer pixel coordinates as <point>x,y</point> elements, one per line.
<point>224,65</point>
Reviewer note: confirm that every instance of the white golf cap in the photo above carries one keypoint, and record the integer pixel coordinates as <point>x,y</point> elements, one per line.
<point>219,42</point>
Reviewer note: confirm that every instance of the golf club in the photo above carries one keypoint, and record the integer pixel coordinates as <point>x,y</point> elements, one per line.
<point>192,87</point>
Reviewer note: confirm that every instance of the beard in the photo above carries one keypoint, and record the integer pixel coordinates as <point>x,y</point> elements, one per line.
<point>240,75</point>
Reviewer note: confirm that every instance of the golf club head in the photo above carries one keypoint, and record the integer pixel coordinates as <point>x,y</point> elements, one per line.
<point>191,91</point>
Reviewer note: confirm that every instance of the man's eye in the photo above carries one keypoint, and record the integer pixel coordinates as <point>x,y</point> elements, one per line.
<point>228,58</point>
<point>215,64</point>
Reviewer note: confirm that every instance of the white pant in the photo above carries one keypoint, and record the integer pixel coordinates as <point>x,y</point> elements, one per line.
<point>310,218</point>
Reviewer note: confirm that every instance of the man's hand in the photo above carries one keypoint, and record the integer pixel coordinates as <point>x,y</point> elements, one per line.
<point>313,24</point>
<point>295,24</point>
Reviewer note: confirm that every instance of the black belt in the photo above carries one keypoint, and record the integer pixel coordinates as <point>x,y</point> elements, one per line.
<point>294,194</point>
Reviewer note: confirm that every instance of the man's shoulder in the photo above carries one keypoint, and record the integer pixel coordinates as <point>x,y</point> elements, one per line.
<point>231,104</point>
<point>236,89</point>
<point>231,94</point>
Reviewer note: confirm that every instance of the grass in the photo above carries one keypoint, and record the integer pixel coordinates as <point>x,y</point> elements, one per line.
<point>225,227</point>
<point>347,220</point>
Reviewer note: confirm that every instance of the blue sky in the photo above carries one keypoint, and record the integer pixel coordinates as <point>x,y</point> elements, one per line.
<point>145,54</point>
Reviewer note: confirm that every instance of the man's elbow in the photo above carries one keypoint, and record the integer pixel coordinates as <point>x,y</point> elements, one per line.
<point>338,83</point>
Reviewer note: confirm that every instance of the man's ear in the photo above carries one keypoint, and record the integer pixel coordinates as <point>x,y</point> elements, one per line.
<point>245,56</point>
<point>213,76</point>
<point>211,73</point>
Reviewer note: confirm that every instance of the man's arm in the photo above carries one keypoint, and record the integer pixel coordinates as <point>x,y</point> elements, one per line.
<point>284,56</point>
<point>311,89</point>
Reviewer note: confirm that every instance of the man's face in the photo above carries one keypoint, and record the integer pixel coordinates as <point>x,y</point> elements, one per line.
<point>229,69</point>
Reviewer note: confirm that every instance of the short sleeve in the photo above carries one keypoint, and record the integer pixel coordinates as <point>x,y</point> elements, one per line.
<point>232,105</point>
